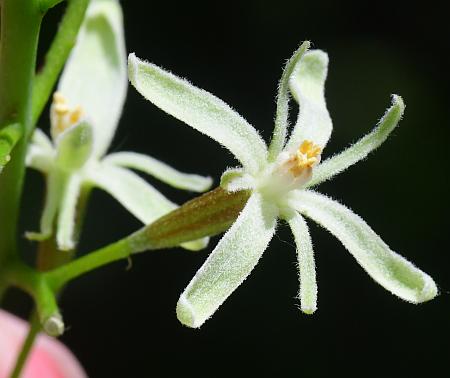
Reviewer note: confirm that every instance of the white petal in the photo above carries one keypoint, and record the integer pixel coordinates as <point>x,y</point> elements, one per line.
<point>160,170</point>
<point>65,233</point>
<point>41,140</point>
<point>282,112</point>
<point>39,159</point>
<point>40,152</point>
<point>363,147</point>
<point>95,75</point>
<point>229,264</point>
<point>308,88</point>
<point>235,179</point>
<point>56,186</point>
<point>134,193</point>
<point>386,267</point>
<point>200,110</point>
<point>306,263</point>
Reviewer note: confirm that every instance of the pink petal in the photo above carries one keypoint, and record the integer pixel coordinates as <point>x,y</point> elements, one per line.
<point>49,358</point>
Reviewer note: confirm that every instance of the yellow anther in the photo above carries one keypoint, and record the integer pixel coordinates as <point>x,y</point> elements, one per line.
<point>306,156</point>
<point>61,108</point>
<point>75,115</point>
<point>58,98</point>
<point>62,116</point>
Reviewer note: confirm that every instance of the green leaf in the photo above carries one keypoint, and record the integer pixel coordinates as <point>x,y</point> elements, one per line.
<point>386,267</point>
<point>229,264</point>
<point>200,110</point>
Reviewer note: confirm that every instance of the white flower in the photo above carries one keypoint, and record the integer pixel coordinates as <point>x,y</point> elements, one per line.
<point>84,115</point>
<point>280,177</point>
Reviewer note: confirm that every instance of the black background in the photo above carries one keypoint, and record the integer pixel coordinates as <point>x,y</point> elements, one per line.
<point>123,323</point>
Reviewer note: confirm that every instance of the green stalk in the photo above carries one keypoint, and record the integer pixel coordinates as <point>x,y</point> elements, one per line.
<point>27,345</point>
<point>57,54</point>
<point>20,24</point>
<point>34,283</point>
<point>207,215</point>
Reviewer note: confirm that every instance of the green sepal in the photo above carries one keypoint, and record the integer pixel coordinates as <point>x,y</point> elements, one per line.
<point>74,146</point>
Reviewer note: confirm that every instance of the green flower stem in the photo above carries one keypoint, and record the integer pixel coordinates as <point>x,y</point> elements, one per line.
<point>207,215</point>
<point>9,136</point>
<point>57,54</point>
<point>27,346</point>
<point>49,257</point>
<point>20,24</point>
<point>34,283</point>
<point>58,277</point>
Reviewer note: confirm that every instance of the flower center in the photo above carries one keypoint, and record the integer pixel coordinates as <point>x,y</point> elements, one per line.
<point>291,171</point>
<point>306,157</point>
<point>62,116</point>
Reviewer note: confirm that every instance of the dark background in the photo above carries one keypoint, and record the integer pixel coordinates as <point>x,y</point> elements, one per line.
<point>123,323</point>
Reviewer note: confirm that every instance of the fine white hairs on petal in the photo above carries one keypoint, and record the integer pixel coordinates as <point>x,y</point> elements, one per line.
<point>199,109</point>
<point>230,263</point>
<point>386,267</point>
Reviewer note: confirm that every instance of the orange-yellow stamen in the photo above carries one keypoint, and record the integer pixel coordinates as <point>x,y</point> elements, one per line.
<point>305,157</point>
<point>62,115</point>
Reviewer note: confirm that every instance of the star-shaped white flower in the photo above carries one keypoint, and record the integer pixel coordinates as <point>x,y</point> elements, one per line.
<point>280,178</point>
<point>84,115</point>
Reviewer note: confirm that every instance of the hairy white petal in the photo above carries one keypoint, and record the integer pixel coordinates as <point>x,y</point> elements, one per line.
<point>134,193</point>
<point>56,186</point>
<point>308,88</point>
<point>95,76</point>
<point>386,267</point>
<point>235,179</point>
<point>282,112</point>
<point>306,263</point>
<point>39,159</point>
<point>229,264</point>
<point>363,147</point>
<point>160,170</point>
<point>40,139</point>
<point>200,110</point>
<point>65,236</point>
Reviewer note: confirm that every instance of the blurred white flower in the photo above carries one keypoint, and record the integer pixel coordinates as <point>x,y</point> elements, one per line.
<point>84,115</point>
